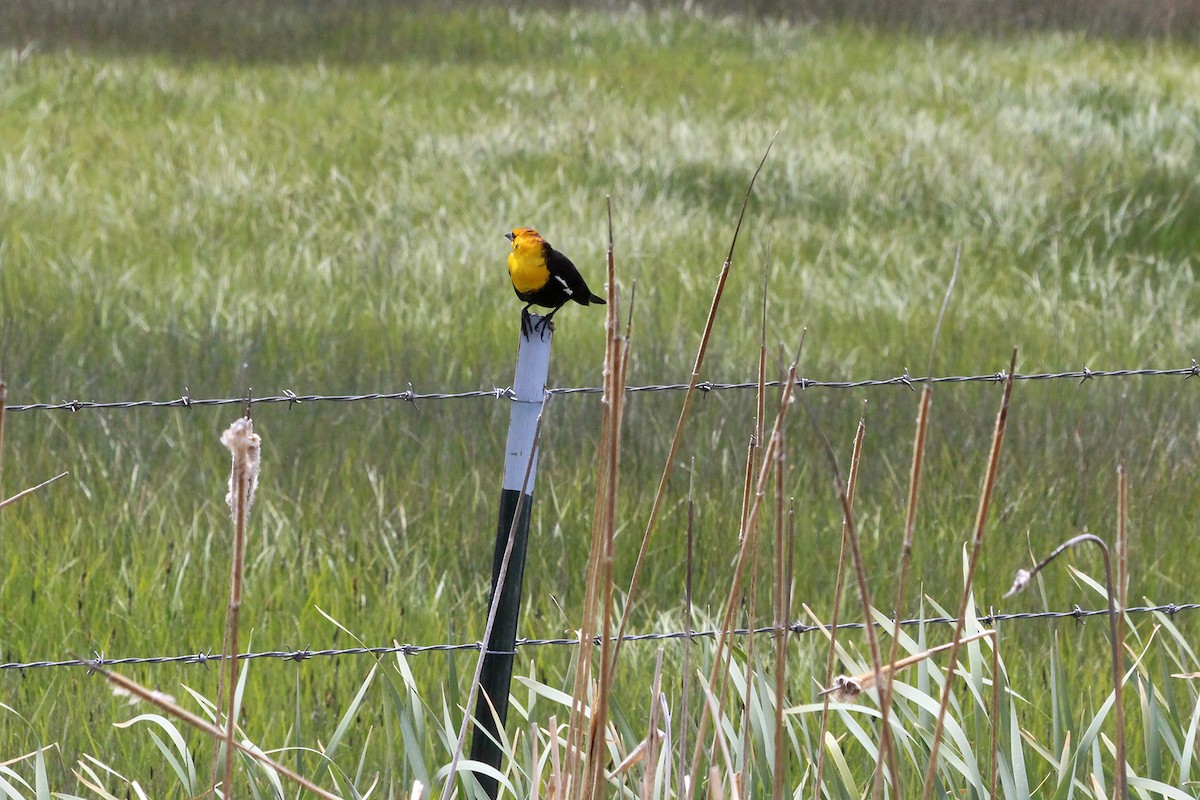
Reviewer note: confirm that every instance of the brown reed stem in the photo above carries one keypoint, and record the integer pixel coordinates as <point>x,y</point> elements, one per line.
<point>860,572</point>
<point>3,404</point>
<point>761,410</point>
<point>597,740</point>
<point>686,678</point>
<point>158,700</point>
<point>1122,538</point>
<point>603,534</point>
<point>855,457</point>
<point>781,610</point>
<point>232,619</point>
<point>652,740</point>
<point>910,525</point>
<point>868,680</point>
<point>688,396</point>
<point>747,484</point>
<point>995,761</point>
<point>751,624</point>
<point>31,490</point>
<point>593,590</point>
<point>720,668</point>
<point>985,498</point>
<point>245,447</point>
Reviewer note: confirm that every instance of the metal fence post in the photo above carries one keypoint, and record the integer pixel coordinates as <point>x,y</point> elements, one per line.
<point>529,387</point>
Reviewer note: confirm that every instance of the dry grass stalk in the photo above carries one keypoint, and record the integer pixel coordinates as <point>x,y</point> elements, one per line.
<point>782,609</point>
<point>583,662</point>
<point>995,762</point>
<point>584,655</point>
<point>686,677</point>
<point>860,572</point>
<point>617,361</point>
<point>747,485</point>
<point>855,458</point>
<point>31,490</point>
<point>710,705</point>
<point>1122,539</point>
<point>535,789</point>
<point>688,396</point>
<point>910,518</point>
<point>755,444</point>
<point>642,751</point>
<point>599,601</point>
<point>761,409</point>
<point>245,447</point>
<point>1118,627</point>
<point>1115,630</point>
<point>555,787</point>
<point>715,788</point>
<point>751,624</point>
<point>649,745</point>
<point>985,497</point>
<point>3,403</point>
<point>721,656</point>
<point>161,701</point>
<point>45,749</point>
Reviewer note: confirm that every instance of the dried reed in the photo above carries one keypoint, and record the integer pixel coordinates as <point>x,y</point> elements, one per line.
<point>985,497</point>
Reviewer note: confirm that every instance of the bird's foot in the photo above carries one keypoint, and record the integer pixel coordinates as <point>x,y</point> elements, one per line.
<point>544,327</point>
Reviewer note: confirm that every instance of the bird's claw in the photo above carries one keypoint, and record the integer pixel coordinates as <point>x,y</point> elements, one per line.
<point>528,326</point>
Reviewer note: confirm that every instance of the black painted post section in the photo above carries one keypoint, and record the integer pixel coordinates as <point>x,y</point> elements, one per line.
<point>533,363</point>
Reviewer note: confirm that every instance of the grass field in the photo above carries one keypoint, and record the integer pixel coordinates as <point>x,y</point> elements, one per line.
<point>323,212</point>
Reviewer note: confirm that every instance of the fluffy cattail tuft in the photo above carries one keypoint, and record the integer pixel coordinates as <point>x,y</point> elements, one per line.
<point>245,445</point>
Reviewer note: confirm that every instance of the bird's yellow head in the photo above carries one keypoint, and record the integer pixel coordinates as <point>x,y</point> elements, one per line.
<point>524,239</point>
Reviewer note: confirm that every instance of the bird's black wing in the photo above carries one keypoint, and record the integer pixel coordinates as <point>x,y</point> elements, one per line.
<point>563,271</point>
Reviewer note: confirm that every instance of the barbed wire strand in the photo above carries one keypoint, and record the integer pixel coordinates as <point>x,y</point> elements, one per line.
<point>497,393</point>
<point>100,660</point>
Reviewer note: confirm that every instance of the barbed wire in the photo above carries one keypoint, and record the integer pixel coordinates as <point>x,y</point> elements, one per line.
<point>99,660</point>
<point>413,397</point>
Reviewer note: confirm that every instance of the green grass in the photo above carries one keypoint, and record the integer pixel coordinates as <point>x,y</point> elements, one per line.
<point>320,208</point>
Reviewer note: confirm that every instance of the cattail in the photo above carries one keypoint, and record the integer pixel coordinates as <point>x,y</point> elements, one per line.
<point>245,445</point>
<point>846,688</point>
<point>1022,579</point>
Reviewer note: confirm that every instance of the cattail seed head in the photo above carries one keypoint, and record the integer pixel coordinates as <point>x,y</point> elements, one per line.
<point>1020,582</point>
<point>245,445</point>
<point>844,689</point>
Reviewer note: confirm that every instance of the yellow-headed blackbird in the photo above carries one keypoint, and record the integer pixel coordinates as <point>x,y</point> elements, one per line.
<point>543,276</point>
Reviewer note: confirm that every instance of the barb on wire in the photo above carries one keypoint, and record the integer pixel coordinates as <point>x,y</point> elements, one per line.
<point>307,654</point>
<point>410,396</point>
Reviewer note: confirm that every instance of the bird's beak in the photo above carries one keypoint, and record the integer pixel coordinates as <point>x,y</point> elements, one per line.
<point>508,236</point>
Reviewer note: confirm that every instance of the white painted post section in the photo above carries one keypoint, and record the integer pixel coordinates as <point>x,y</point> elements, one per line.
<point>529,385</point>
<point>495,677</point>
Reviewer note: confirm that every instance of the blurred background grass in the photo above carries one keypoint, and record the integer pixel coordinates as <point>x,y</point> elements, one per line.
<point>309,196</point>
